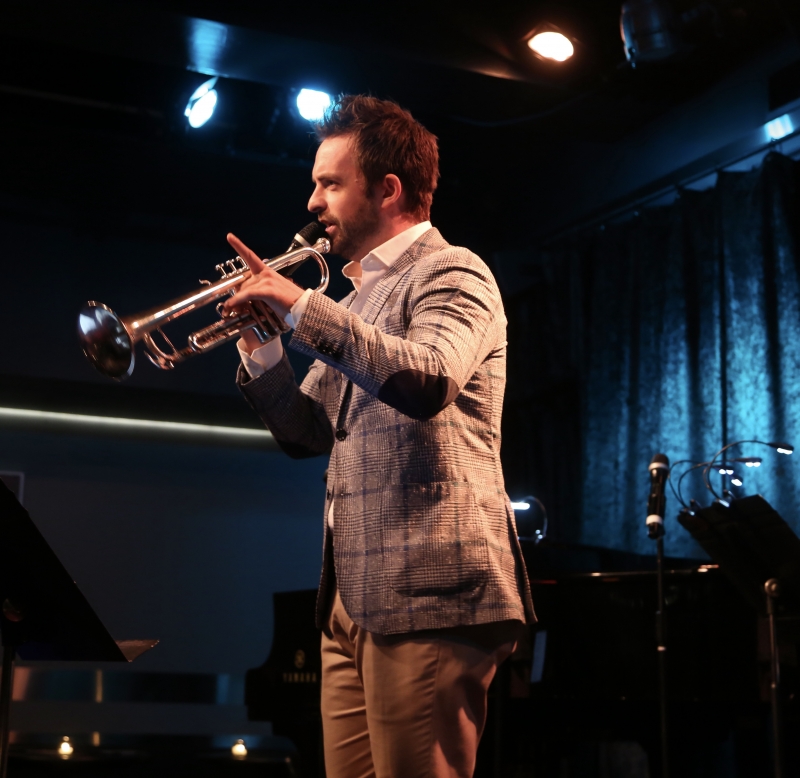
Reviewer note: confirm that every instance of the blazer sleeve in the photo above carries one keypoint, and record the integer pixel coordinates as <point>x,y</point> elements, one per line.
<point>295,415</point>
<point>455,319</point>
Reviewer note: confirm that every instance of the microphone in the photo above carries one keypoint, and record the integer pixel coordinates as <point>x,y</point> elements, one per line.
<point>656,502</point>
<point>305,238</point>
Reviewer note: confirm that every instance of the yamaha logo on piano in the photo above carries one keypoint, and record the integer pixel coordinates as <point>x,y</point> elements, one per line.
<point>299,677</point>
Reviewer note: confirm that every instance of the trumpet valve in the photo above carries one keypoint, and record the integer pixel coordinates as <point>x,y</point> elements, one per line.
<point>233,267</point>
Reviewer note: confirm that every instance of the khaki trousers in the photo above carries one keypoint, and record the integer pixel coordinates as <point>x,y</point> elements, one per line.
<point>406,706</point>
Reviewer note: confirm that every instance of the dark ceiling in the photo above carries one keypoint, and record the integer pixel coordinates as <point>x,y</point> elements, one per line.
<point>460,61</point>
<point>98,167</point>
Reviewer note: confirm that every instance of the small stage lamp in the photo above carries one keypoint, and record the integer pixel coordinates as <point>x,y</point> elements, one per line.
<point>531,519</point>
<point>239,749</point>
<point>201,104</point>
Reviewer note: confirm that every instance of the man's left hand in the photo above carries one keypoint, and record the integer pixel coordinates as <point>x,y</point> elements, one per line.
<point>264,284</point>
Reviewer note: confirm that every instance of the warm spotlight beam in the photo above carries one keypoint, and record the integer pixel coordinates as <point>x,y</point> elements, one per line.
<point>552,45</point>
<point>76,423</point>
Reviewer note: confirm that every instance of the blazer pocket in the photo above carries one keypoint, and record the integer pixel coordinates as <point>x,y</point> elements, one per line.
<point>432,540</point>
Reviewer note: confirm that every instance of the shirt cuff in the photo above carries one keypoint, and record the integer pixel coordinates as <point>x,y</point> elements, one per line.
<point>298,309</point>
<point>268,355</point>
<point>263,358</point>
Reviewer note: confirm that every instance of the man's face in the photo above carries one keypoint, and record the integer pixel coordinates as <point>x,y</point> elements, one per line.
<point>351,214</point>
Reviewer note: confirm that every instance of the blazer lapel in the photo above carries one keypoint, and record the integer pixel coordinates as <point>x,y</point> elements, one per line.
<point>428,243</point>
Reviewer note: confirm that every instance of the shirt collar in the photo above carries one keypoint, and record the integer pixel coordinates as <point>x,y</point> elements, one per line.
<point>387,253</point>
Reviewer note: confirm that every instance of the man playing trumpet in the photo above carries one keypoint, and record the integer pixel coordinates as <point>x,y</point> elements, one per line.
<point>423,588</point>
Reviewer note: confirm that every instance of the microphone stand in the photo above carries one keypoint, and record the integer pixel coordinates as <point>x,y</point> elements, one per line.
<point>656,510</point>
<point>661,648</point>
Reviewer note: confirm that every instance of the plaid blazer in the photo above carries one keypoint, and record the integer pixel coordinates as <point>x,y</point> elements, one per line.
<point>406,398</point>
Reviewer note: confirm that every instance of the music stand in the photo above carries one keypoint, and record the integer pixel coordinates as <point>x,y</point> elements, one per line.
<point>44,615</point>
<point>760,554</point>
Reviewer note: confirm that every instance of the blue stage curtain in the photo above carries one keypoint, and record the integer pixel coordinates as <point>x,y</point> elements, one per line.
<point>674,332</point>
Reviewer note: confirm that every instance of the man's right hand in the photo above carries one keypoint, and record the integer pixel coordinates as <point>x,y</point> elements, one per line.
<point>249,341</point>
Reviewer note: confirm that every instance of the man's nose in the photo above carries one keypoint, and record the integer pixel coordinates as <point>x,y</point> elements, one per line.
<point>316,203</point>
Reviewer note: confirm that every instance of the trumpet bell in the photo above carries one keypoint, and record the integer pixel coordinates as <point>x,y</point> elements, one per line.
<point>105,340</point>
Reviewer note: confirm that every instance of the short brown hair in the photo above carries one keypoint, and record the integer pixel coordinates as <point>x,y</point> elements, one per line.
<point>387,139</point>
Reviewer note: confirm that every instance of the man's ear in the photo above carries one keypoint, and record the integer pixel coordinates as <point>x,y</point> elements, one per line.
<point>390,190</point>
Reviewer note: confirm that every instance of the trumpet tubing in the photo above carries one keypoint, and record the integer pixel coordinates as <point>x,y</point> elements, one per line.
<point>109,340</point>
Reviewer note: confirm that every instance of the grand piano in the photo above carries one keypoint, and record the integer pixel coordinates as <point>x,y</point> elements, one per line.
<point>582,691</point>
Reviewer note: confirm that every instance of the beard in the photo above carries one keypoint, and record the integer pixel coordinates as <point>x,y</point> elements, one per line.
<point>352,233</point>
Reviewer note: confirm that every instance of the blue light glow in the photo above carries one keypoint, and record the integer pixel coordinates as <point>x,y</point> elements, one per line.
<point>312,104</point>
<point>201,104</point>
<point>207,45</point>
<point>779,128</point>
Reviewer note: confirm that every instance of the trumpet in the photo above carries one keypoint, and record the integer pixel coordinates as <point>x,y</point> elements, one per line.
<point>109,340</point>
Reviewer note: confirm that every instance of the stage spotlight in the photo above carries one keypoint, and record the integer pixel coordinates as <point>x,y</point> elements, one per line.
<point>312,104</point>
<point>736,481</point>
<point>779,128</point>
<point>550,44</point>
<point>520,506</point>
<point>201,104</point>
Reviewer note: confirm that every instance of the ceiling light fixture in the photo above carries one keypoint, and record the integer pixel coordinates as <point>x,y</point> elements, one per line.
<point>552,45</point>
<point>312,104</point>
<point>202,104</point>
